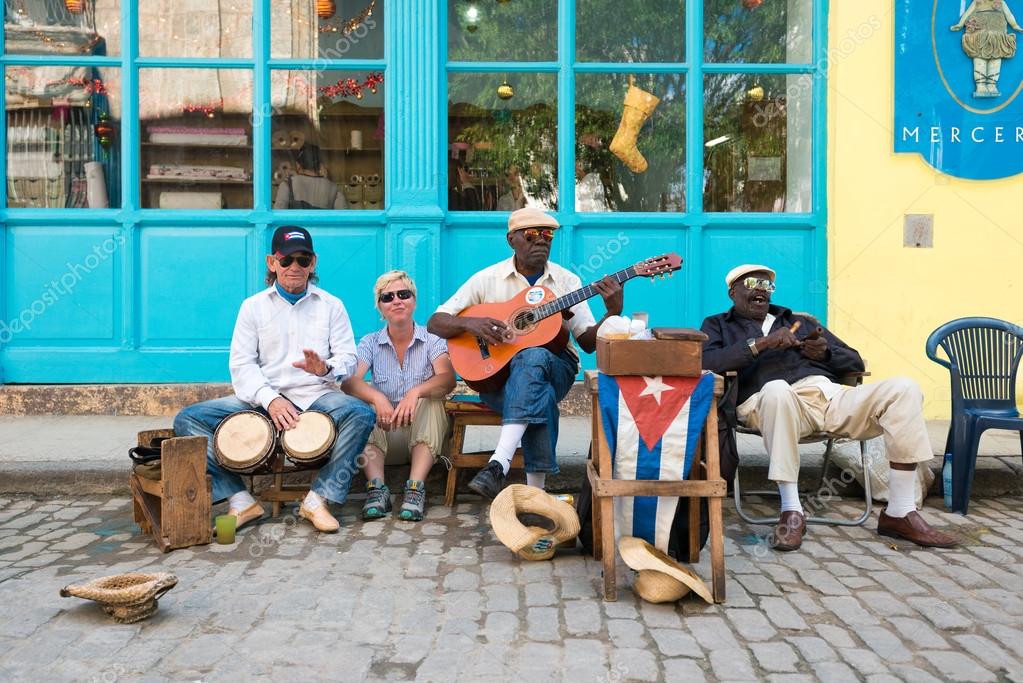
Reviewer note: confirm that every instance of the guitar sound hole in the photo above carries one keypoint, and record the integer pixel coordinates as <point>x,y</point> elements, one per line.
<point>523,321</point>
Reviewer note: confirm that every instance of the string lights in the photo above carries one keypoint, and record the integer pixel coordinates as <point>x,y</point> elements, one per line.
<point>346,26</point>
<point>350,87</point>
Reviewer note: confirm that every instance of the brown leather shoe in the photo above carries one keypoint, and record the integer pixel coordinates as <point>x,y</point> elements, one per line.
<point>913,528</point>
<point>788,534</point>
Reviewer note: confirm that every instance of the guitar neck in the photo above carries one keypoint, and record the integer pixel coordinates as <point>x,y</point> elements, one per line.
<point>571,299</point>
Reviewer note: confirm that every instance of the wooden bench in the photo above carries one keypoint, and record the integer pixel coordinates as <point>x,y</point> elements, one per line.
<point>175,508</point>
<point>466,413</point>
<point>704,482</point>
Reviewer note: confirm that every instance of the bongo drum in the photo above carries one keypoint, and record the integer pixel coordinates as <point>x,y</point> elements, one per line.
<point>310,441</point>
<point>244,442</point>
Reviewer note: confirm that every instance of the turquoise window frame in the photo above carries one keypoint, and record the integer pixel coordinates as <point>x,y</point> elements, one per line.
<point>130,63</point>
<point>694,218</point>
<point>414,225</point>
<point>129,219</point>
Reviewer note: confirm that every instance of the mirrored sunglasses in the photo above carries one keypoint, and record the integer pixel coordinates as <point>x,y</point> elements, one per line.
<point>303,261</point>
<point>532,234</point>
<point>758,283</point>
<point>388,297</point>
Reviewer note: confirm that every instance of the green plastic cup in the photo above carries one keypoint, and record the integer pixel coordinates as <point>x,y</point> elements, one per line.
<point>226,525</point>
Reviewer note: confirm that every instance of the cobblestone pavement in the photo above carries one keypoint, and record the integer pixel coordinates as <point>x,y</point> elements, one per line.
<point>443,601</point>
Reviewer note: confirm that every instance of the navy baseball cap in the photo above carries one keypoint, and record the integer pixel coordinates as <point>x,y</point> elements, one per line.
<point>290,238</point>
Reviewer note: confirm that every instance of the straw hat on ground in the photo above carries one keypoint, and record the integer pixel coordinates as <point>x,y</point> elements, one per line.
<point>532,542</point>
<point>127,597</point>
<point>661,579</point>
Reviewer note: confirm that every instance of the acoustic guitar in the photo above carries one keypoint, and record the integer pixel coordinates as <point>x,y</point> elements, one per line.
<point>533,319</point>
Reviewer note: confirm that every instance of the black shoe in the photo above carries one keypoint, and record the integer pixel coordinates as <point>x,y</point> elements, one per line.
<point>489,481</point>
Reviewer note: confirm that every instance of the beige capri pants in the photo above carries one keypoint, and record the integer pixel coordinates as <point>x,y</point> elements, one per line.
<point>785,412</point>
<point>429,426</point>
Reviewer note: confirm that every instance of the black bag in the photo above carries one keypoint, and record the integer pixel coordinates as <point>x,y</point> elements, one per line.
<point>297,203</point>
<point>678,540</point>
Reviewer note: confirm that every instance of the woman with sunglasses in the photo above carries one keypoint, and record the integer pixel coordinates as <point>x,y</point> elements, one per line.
<point>411,376</point>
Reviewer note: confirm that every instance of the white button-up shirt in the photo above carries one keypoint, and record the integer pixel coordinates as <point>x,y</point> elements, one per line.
<point>270,335</point>
<point>501,281</point>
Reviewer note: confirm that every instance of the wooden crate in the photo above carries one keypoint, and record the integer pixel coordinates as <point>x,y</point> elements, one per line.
<point>175,508</point>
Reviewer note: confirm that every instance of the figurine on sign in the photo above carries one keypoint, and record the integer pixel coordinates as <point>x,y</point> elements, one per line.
<point>987,41</point>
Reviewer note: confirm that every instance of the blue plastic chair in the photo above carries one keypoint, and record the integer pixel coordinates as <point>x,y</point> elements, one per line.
<point>983,357</point>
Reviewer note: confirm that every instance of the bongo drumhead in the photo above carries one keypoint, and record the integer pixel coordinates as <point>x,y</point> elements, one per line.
<point>311,439</point>
<point>244,441</point>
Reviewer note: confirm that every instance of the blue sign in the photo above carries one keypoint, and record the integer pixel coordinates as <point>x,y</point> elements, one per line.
<point>958,81</point>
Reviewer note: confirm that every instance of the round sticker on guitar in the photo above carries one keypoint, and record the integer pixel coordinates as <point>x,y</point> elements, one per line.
<point>535,295</point>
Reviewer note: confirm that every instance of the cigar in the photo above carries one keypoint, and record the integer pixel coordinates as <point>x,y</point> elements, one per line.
<point>795,326</point>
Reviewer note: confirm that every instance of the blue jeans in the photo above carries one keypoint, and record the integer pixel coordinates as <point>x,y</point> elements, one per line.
<point>539,379</point>
<point>353,418</point>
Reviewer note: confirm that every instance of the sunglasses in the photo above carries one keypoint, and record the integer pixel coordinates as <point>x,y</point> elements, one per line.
<point>758,283</point>
<point>303,261</point>
<point>388,297</point>
<point>532,234</point>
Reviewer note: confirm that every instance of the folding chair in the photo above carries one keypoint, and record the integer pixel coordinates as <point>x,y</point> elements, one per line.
<point>853,379</point>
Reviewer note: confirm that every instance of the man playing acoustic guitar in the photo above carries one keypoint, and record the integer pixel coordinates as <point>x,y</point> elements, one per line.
<point>540,376</point>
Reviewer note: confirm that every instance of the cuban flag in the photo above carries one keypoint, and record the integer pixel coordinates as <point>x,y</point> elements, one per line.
<point>653,427</point>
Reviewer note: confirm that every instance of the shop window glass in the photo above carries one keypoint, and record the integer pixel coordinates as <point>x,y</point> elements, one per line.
<point>604,181</point>
<point>630,30</point>
<point>63,125</point>
<point>495,31</point>
<point>328,140</point>
<point>327,29</point>
<point>196,138</point>
<point>195,28</point>
<point>503,141</point>
<point>83,27</point>
<point>758,31</point>
<point>758,137</point>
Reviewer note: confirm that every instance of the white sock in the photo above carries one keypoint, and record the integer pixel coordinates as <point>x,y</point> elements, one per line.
<point>313,500</point>
<point>537,479</point>
<point>511,434</point>
<point>789,491</point>
<point>240,501</point>
<point>901,493</point>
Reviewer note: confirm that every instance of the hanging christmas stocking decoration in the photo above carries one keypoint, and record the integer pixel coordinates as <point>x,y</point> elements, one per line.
<point>639,105</point>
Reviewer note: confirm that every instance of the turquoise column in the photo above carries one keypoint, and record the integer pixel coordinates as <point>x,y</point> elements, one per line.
<point>415,125</point>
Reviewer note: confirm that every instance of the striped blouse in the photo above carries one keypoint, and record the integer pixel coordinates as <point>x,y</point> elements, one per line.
<point>390,377</point>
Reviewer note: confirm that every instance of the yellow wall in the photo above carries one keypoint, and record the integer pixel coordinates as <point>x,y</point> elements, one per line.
<point>885,299</point>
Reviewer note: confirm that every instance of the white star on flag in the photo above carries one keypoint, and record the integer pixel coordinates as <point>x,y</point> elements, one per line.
<point>655,386</point>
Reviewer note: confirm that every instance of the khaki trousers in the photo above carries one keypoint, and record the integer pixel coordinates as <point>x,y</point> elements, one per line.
<point>429,426</point>
<point>785,413</point>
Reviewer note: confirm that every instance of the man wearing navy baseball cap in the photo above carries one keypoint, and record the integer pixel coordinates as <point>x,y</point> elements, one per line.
<point>291,349</point>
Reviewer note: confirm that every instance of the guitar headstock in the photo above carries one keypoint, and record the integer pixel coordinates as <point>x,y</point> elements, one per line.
<point>662,265</point>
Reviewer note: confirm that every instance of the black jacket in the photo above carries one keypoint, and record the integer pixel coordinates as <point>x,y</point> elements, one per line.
<point>726,350</point>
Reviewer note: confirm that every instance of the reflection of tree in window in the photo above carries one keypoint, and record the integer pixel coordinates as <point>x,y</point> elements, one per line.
<point>772,32</point>
<point>630,30</point>
<point>521,31</point>
<point>520,132</point>
<point>661,140</point>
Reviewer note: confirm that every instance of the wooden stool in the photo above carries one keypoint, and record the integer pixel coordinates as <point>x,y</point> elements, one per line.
<point>704,482</point>
<point>175,508</point>
<point>278,492</point>
<point>466,413</point>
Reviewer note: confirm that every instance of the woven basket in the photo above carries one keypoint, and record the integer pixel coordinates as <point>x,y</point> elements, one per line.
<point>127,597</point>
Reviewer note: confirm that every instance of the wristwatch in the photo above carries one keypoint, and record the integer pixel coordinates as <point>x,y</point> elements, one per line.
<point>752,344</point>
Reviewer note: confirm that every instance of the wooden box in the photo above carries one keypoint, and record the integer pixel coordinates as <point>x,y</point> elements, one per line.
<point>675,352</point>
<point>174,508</point>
